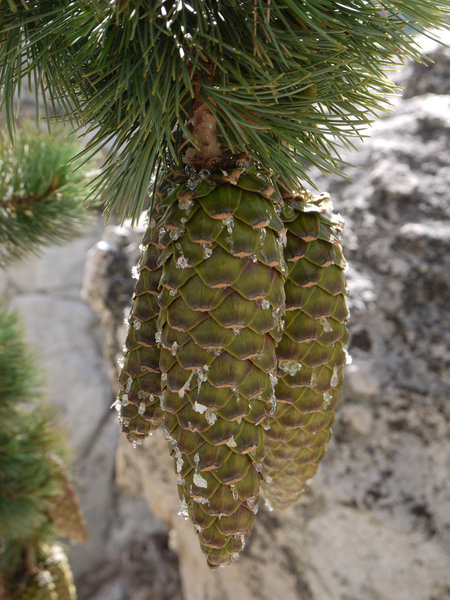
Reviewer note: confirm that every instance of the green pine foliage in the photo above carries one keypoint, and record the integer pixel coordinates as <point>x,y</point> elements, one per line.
<point>29,435</point>
<point>41,191</point>
<point>26,481</point>
<point>40,203</point>
<point>289,82</point>
<point>20,381</point>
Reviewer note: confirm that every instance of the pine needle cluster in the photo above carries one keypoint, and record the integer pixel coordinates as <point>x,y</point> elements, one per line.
<point>41,191</point>
<point>289,82</point>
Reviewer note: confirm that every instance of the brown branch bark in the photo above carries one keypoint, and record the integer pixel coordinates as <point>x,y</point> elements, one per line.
<point>208,148</point>
<point>24,202</point>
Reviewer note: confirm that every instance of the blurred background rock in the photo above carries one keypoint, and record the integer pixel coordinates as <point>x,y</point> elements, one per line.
<point>375,524</point>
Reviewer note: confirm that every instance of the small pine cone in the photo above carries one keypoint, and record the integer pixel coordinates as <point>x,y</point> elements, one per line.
<point>311,353</point>
<point>139,397</point>
<point>56,563</point>
<point>39,586</point>
<point>64,510</point>
<point>50,578</point>
<point>221,305</point>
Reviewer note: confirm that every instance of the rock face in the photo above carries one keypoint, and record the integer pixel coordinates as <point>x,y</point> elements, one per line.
<point>375,523</point>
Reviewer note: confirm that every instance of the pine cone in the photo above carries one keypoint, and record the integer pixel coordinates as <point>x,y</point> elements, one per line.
<point>221,311</point>
<point>138,402</point>
<point>38,587</point>
<point>311,353</point>
<point>57,565</point>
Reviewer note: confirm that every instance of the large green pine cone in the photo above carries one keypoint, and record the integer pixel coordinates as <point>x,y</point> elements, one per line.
<point>311,353</point>
<point>221,304</point>
<point>138,401</point>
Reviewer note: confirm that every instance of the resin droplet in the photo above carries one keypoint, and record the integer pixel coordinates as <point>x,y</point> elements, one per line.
<point>327,398</point>
<point>175,234</point>
<point>182,262</point>
<point>200,408</point>
<point>229,224</point>
<point>291,366</point>
<point>185,387</point>
<point>335,377</point>
<point>210,417</point>
<point>326,325</point>
<point>116,404</point>
<point>200,481</point>
<point>183,510</point>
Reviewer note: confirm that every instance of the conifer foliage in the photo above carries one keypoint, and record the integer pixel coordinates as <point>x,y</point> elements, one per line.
<point>37,499</point>
<point>238,322</point>
<point>32,495</point>
<point>40,192</point>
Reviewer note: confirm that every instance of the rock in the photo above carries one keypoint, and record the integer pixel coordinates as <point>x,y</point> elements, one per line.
<point>358,556</point>
<point>143,577</point>
<point>357,419</point>
<point>431,78</point>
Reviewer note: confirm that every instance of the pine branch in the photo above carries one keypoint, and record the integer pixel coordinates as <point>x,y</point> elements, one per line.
<point>289,82</point>
<point>41,194</point>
